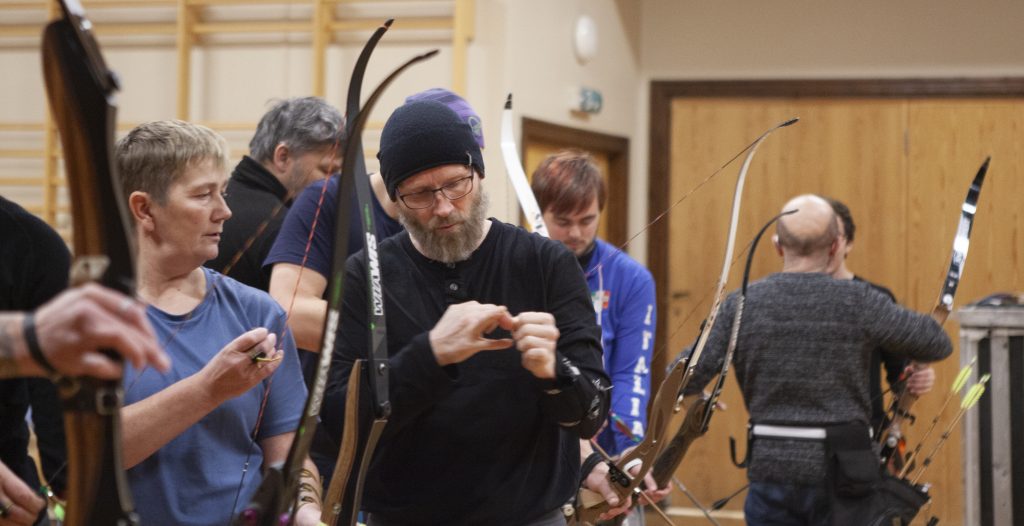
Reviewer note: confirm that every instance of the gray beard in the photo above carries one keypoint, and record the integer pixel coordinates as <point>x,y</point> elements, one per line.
<point>454,247</point>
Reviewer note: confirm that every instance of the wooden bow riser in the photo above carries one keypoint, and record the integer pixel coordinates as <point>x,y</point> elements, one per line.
<point>81,90</point>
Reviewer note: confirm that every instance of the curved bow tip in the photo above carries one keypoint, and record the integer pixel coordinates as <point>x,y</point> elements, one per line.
<point>387,23</point>
<point>508,102</point>
<point>983,169</point>
<point>794,120</point>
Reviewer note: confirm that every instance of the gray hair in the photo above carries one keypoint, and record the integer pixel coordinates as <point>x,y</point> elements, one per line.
<point>303,124</point>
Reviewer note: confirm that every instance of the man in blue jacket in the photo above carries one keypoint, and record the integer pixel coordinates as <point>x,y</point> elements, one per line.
<point>571,194</point>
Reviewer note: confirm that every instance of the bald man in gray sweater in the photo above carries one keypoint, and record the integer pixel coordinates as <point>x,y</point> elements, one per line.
<point>802,362</point>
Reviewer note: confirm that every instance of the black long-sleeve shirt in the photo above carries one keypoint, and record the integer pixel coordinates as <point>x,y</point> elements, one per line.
<point>34,263</point>
<point>802,358</point>
<point>253,194</point>
<point>893,364</point>
<point>482,441</point>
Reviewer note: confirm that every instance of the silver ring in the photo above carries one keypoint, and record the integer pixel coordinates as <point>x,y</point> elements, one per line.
<point>5,509</point>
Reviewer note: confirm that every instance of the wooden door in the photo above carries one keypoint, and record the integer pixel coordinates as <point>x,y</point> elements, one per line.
<point>902,165</point>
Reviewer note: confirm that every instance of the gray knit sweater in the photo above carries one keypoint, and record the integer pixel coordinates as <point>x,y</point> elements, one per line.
<point>802,358</point>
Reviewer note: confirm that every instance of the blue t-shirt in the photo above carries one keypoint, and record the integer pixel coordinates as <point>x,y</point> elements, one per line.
<point>290,245</point>
<point>623,295</point>
<point>194,478</point>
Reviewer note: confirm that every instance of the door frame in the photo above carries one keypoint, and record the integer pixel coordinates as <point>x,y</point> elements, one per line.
<point>616,205</point>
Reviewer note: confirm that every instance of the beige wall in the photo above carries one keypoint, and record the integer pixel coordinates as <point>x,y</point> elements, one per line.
<point>521,46</point>
<point>810,38</point>
<point>525,47</point>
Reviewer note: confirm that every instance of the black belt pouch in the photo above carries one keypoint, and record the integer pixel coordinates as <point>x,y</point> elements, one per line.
<point>853,464</point>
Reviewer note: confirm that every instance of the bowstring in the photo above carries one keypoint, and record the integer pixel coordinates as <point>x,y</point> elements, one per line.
<point>661,348</point>
<point>686,195</point>
<point>291,303</point>
<point>679,201</point>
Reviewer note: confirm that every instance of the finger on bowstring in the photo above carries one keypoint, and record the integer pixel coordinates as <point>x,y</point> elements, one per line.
<point>146,347</point>
<point>141,332</point>
<point>265,350</point>
<point>275,355</point>
<point>267,367</point>
<point>156,356</point>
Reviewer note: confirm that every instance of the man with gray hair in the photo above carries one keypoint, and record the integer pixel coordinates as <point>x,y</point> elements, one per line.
<point>801,361</point>
<point>296,143</point>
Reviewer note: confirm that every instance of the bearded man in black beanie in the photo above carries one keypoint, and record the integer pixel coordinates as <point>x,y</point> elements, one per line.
<point>494,353</point>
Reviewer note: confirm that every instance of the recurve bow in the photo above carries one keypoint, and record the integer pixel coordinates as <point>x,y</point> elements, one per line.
<point>698,415</point>
<point>892,439</point>
<point>273,503</point>
<point>668,398</point>
<point>376,364</point>
<point>81,90</point>
<point>340,496</point>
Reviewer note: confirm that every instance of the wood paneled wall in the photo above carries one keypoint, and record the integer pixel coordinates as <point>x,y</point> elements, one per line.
<point>901,162</point>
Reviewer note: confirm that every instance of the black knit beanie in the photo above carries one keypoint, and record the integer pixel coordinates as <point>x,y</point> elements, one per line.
<point>421,135</point>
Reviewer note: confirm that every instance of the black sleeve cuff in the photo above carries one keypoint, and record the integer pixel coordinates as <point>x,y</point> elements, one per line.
<point>572,400</point>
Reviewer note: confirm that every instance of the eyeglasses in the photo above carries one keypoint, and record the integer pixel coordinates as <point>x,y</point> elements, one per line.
<point>456,189</point>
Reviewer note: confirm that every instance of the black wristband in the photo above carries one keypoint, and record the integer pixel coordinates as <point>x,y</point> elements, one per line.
<point>28,329</point>
<point>589,464</point>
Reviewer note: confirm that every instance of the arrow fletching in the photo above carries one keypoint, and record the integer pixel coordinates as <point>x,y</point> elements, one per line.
<point>974,394</point>
<point>961,379</point>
